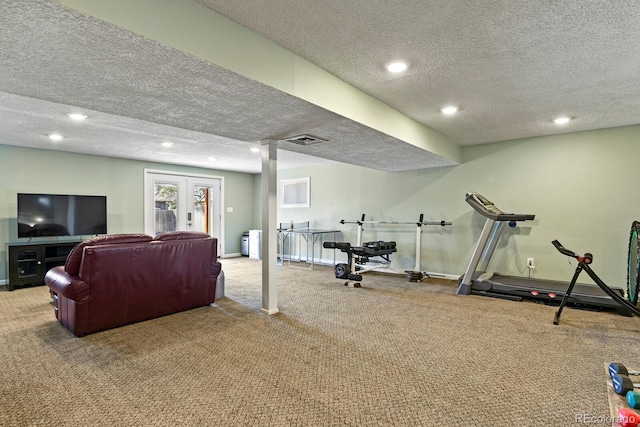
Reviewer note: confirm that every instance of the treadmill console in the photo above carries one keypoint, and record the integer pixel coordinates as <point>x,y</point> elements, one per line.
<point>486,208</point>
<point>486,204</point>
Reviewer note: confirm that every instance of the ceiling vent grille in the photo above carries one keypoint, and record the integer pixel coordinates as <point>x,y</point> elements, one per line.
<point>304,140</point>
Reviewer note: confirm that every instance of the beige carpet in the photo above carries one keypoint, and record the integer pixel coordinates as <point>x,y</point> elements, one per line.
<point>392,353</point>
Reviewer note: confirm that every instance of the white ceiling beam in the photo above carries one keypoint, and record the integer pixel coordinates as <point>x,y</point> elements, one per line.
<point>195,29</point>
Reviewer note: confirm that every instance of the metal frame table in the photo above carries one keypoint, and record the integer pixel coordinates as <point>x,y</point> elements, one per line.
<point>310,235</point>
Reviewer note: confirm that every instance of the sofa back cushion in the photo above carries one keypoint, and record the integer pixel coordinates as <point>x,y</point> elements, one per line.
<point>181,235</point>
<point>72,265</point>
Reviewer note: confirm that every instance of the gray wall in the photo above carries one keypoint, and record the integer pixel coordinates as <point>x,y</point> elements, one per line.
<point>581,186</point>
<point>42,171</point>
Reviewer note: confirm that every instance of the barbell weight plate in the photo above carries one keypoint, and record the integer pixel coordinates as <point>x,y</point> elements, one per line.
<point>341,271</point>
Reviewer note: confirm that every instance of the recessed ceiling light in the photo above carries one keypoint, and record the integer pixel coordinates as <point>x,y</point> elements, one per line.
<point>213,159</point>
<point>451,109</point>
<point>55,136</point>
<point>255,149</point>
<point>397,66</point>
<point>562,120</point>
<point>77,116</point>
<point>167,144</point>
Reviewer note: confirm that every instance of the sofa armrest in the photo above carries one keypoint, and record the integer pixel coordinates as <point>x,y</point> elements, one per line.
<point>62,283</point>
<point>216,268</point>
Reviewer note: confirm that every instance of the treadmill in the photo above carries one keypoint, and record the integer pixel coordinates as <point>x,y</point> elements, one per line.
<point>478,281</point>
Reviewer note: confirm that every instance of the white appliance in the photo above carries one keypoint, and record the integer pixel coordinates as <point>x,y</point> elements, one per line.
<point>255,244</point>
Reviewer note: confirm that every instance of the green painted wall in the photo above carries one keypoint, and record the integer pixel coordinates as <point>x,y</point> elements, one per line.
<point>581,186</point>
<point>42,171</point>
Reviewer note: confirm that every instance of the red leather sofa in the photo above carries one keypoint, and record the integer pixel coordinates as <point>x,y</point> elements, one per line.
<point>114,280</point>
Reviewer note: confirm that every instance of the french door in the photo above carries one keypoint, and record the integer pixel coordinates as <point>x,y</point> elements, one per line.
<point>183,203</point>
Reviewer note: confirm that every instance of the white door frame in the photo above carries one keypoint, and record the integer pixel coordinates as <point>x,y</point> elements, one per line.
<point>149,216</point>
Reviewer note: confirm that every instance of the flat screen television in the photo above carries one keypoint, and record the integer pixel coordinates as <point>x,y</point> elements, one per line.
<point>61,215</point>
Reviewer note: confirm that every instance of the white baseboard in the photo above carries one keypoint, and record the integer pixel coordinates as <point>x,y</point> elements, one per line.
<point>454,277</point>
<point>390,270</point>
<point>330,262</point>
<point>236,255</point>
<point>317,261</point>
<point>446,276</point>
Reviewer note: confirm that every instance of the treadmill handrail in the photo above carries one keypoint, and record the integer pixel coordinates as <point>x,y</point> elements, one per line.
<point>491,211</point>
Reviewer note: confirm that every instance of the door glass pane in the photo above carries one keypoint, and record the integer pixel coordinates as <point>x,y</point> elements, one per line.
<point>166,207</point>
<point>201,209</point>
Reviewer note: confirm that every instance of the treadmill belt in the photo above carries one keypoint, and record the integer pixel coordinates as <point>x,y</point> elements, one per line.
<point>551,286</point>
<point>547,291</point>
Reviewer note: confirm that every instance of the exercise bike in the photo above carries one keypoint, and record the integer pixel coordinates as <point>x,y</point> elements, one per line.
<point>584,262</point>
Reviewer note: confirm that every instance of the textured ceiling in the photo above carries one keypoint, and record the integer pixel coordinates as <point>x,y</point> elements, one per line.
<point>511,65</point>
<point>138,93</point>
<point>26,122</point>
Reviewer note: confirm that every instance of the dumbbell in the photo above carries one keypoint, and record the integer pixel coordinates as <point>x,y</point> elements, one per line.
<point>620,369</point>
<point>620,378</point>
<point>633,399</point>
<point>628,417</point>
<point>622,384</point>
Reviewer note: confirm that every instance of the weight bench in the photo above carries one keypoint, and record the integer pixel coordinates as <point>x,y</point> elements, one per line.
<point>358,256</point>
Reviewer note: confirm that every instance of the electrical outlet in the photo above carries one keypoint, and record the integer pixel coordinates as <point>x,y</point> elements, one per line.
<point>531,263</point>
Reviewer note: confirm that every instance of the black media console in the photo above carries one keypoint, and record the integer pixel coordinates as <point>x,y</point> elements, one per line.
<point>29,262</point>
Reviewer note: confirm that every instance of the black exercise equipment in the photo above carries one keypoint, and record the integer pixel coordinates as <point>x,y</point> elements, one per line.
<point>584,264</point>
<point>358,256</point>
<point>419,224</point>
<point>415,276</point>
<point>633,277</point>
<point>477,280</point>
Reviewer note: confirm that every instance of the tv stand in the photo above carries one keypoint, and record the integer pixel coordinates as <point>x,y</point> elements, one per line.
<point>29,261</point>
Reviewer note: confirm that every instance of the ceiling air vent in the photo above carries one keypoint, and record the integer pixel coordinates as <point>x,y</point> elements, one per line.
<point>304,140</point>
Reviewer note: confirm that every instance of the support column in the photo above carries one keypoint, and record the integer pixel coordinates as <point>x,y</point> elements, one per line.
<point>269,226</point>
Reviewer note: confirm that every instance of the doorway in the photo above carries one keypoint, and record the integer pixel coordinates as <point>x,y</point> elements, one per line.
<point>178,202</point>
